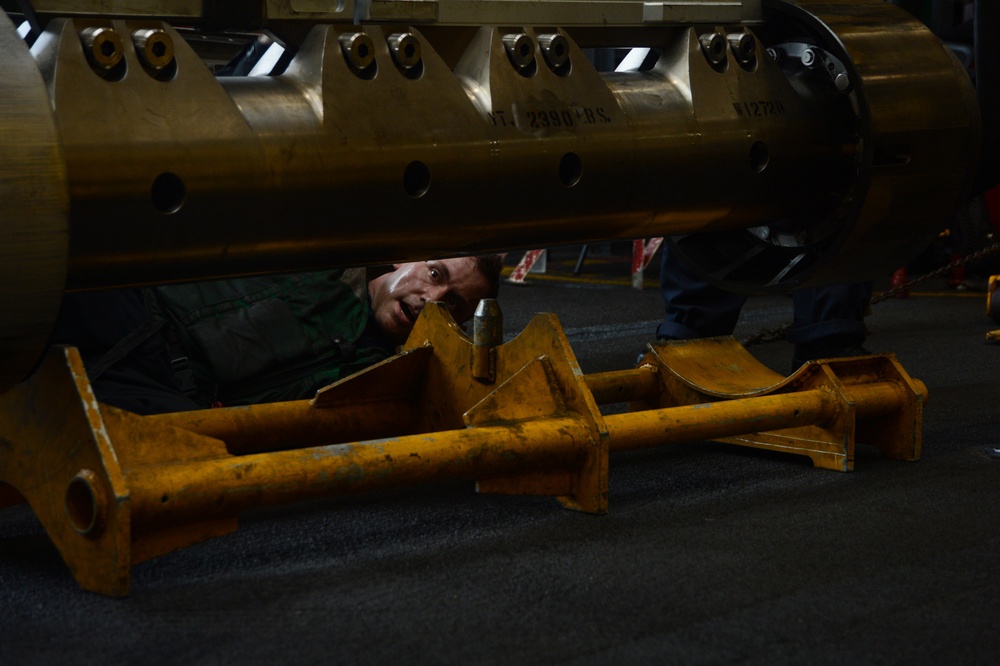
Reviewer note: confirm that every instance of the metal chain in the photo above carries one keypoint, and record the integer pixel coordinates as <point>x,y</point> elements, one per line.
<point>767,335</point>
<point>770,335</point>
<point>892,293</point>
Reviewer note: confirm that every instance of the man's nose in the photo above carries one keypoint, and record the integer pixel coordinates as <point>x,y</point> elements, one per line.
<point>435,293</point>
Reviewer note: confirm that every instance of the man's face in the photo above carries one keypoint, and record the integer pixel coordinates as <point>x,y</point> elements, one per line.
<point>398,297</point>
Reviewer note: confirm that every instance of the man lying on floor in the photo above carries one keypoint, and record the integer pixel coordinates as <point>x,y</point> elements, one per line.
<point>258,339</point>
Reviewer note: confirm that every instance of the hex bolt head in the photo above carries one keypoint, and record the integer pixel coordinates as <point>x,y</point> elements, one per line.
<point>154,47</point>
<point>555,49</point>
<point>102,46</point>
<point>358,48</point>
<point>520,49</point>
<point>743,45</point>
<point>405,49</point>
<point>810,58</point>
<point>713,45</point>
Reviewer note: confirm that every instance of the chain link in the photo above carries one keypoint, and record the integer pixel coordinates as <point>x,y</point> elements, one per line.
<point>780,333</point>
<point>892,293</point>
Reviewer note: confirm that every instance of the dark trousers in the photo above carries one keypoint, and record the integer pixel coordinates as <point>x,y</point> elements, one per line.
<point>826,320</point>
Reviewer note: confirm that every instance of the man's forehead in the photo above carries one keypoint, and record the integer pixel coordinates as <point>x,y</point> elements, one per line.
<point>462,271</point>
<point>457,264</point>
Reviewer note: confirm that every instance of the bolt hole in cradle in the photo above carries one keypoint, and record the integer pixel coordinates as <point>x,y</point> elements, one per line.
<point>168,192</point>
<point>83,503</point>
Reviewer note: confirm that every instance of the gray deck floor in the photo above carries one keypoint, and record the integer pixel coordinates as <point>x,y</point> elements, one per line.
<point>708,554</point>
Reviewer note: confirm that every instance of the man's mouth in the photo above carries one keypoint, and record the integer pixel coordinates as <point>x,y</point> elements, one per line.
<point>408,312</point>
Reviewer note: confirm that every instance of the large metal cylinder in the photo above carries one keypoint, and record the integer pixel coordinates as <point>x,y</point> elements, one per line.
<point>387,143</point>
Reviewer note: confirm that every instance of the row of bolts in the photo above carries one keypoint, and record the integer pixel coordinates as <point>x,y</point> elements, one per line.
<point>104,49</point>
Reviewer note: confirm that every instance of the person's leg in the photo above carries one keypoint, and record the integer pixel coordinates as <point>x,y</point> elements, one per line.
<point>829,322</point>
<point>694,308</point>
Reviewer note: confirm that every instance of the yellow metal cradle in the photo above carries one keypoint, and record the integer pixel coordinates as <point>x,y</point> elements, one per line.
<point>113,489</point>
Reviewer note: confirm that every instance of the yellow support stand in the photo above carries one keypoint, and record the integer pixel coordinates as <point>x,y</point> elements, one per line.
<point>113,488</point>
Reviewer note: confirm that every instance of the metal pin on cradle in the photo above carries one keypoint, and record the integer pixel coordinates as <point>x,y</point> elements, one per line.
<point>487,335</point>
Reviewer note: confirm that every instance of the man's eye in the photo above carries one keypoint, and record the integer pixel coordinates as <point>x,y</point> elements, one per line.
<point>435,273</point>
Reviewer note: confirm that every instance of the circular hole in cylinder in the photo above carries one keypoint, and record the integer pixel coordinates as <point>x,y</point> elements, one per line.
<point>416,179</point>
<point>758,157</point>
<point>570,169</point>
<point>81,504</point>
<point>168,192</point>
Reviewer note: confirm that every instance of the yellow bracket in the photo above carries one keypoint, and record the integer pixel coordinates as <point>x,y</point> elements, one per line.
<point>823,408</point>
<point>57,454</point>
<point>112,488</point>
<point>537,379</point>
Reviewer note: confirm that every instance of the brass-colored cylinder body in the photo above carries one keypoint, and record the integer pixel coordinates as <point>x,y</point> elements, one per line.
<point>34,224</point>
<point>171,174</point>
<point>322,167</point>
